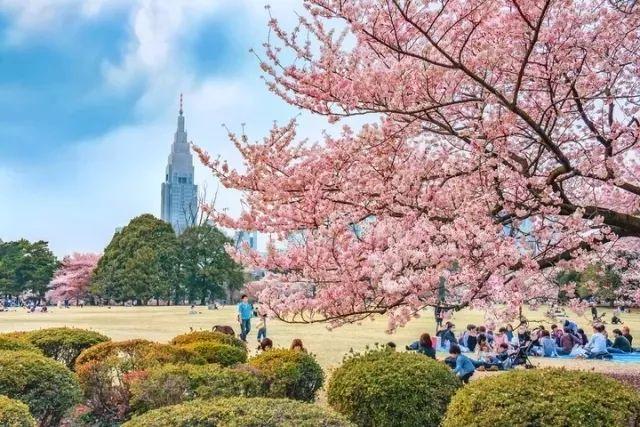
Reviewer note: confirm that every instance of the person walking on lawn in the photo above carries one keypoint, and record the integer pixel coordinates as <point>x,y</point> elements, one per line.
<point>245,313</point>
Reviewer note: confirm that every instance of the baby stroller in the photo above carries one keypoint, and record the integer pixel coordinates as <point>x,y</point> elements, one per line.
<point>521,356</point>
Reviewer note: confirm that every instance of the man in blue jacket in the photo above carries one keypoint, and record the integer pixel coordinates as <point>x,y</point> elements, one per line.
<point>245,313</point>
<point>464,366</point>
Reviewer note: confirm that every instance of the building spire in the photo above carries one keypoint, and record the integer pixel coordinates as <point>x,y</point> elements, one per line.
<point>180,103</point>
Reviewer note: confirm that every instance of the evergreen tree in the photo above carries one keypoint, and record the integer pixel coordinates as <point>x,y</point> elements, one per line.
<point>141,262</point>
<point>208,269</point>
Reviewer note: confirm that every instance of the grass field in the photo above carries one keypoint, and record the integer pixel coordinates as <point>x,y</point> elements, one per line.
<point>162,323</point>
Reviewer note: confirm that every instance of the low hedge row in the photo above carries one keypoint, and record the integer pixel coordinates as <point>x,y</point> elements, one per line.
<point>105,369</point>
<point>64,344</point>
<point>14,413</point>
<point>173,384</point>
<point>61,344</point>
<point>544,397</point>
<point>17,344</point>
<point>289,373</point>
<point>48,388</point>
<point>240,412</point>
<point>221,354</point>
<point>385,388</point>
<point>208,336</point>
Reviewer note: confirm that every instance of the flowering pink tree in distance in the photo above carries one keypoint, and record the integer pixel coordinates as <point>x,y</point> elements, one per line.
<point>71,281</point>
<point>502,147</point>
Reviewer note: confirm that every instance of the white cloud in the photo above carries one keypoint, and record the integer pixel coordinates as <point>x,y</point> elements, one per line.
<point>99,184</point>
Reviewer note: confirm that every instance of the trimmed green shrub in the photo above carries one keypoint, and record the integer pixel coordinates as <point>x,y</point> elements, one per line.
<point>106,369</point>
<point>208,336</point>
<point>46,386</point>
<point>14,413</point>
<point>16,344</point>
<point>172,384</point>
<point>289,373</point>
<point>64,344</point>
<point>631,378</point>
<point>386,388</point>
<point>544,397</point>
<point>240,412</point>
<point>221,354</point>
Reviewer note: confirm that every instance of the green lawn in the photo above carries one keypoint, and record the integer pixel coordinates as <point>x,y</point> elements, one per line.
<point>163,323</point>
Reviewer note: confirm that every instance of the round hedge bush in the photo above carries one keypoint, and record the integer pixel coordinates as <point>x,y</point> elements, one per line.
<point>544,397</point>
<point>16,344</point>
<point>289,373</point>
<point>64,344</point>
<point>14,413</point>
<point>105,369</point>
<point>208,336</point>
<point>46,386</point>
<point>386,388</point>
<point>222,354</point>
<point>240,412</point>
<point>172,384</point>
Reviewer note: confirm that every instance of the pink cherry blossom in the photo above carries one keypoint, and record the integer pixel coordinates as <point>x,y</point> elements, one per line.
<point>502,147</point>
<point>71,281</point>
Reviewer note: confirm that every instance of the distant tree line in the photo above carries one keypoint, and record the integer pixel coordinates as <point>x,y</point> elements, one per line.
<point>145,261</point>
<point>26,268</point>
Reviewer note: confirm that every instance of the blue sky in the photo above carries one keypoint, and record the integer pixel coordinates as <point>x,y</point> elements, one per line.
<point>88,101</point>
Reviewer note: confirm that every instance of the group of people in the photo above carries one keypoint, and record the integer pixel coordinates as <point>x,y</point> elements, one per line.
<point>506,347</point>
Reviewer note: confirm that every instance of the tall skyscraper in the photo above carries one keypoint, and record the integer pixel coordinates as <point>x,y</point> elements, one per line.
<point>249,237</point>
<point>179,193</point>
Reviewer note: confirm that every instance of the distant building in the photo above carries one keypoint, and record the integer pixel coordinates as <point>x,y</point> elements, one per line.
<point>249,237</point>
<point>179,193</point>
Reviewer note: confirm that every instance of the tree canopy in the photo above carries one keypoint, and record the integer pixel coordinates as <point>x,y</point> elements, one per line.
<point>25,267</point>
<point>141,262</point>
<point>503,137</point>
<point>72,279</point>
<point>207,269</point>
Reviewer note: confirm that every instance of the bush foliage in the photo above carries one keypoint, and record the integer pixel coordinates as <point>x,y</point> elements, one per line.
<point>17,344</point>
<point>385,388</point>
<point>240,412</point>
<point>46,386</point>
<point>221,354</point>
<point>631,378</point>
<point>14,413</point>
<point>172,384</point>
<point>208,336</point>
<point>64,344</point>
<point>541,397</point>
<point>289,373</point>
<point>104,371</point>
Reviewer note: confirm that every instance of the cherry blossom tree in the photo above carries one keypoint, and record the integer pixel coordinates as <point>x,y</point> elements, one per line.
<point>502,146</point>
<point>71,281</point>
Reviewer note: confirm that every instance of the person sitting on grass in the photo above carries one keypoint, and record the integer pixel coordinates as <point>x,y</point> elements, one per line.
<point>556,333</point>
<point>620,343</point>
<point>548,344</point>
<point>483,349</point>
<point>500,338</point>
<point>573,327</point>
<point>464,366</point>
<point>499,361</point>
<point>296,345</point>
<point>626,332</point>
<point>447,335</point>
<point>596,348</point>
<point>468,337</point>
<point>567,342</point>
<point>423,346</point>
<point>583,337</point>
